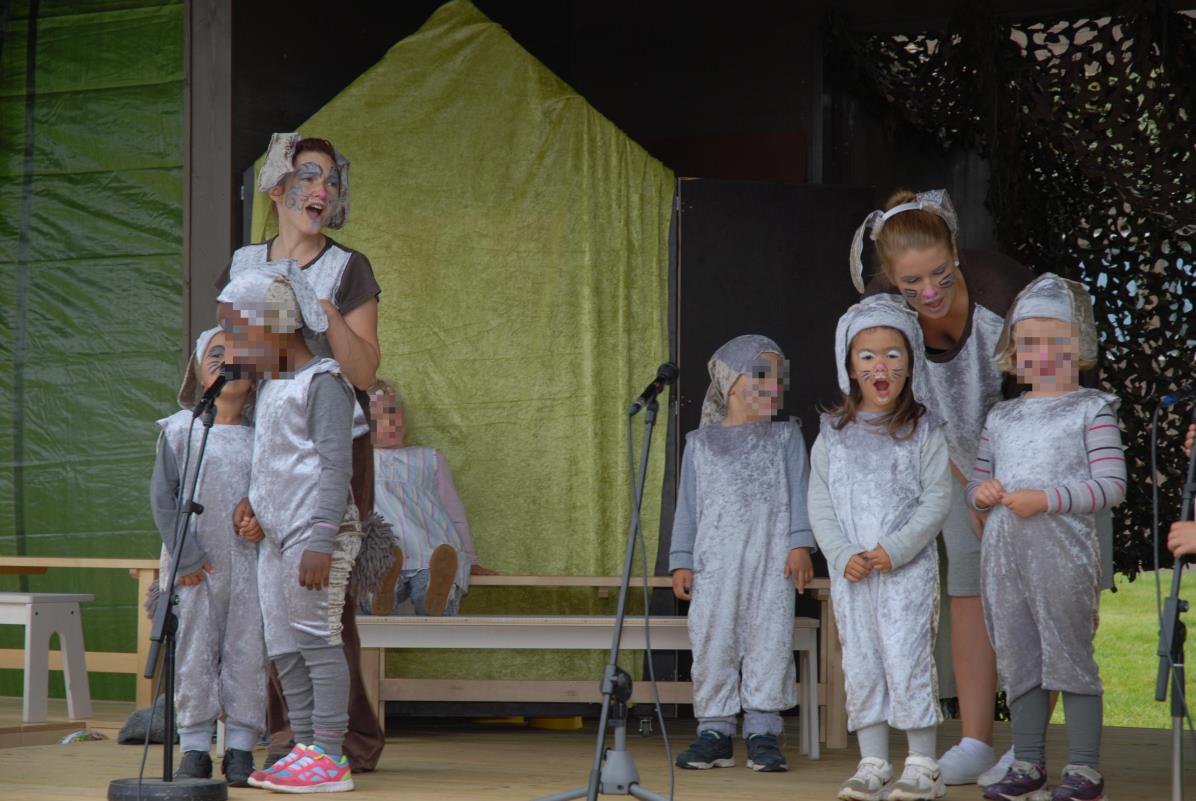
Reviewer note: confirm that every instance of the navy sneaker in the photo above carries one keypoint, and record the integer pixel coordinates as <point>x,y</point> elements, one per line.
<point>237,767</point>
<point>195,765</point>
<point>1080,783</point>
<point>710,750</point>
<point>764,754</point>
<point>1024,781</point>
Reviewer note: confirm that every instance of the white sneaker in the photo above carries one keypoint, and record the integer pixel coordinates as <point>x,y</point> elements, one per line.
<point>965,761</point>
<point>920,781</point>
<point>869,781</point>
<point>997,771</point>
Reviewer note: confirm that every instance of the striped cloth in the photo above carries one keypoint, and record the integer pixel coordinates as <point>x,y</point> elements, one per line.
<point>1106,461</point>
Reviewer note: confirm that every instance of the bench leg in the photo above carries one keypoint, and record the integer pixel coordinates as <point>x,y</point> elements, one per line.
<point>69,625</point>
<point>37,665</point>
<point>809,710</point>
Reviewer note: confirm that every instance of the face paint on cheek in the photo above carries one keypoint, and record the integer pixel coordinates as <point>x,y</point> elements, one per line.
<point>910,292</point>
<point>947,280</point>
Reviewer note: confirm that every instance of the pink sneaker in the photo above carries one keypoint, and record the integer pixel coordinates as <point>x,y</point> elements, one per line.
<point>258,777</point>
<point>315,772</point>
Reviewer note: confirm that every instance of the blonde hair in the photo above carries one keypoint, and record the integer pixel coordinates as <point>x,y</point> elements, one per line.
<point>1006,358</point>
<point>916,229</point>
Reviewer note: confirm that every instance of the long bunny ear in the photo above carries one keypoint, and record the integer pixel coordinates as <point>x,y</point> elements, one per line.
<point>278,160</point>
<point>856,256</point>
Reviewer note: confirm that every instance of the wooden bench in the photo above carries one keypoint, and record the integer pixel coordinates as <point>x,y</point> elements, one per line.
<point>832,692</point>
<point>43,614</point>
<point>551,632</point>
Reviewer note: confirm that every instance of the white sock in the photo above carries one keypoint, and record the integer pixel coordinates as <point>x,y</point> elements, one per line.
<point>874,741</point>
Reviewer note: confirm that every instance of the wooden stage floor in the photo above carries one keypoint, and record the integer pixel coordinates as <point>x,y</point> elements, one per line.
<point>436,761</point>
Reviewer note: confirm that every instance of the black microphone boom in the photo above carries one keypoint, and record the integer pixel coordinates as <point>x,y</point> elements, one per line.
<point>666,374</point>
<point>228,372</point>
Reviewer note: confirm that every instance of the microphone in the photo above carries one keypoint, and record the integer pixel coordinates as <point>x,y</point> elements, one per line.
<point>666,374</point>
<point>228,372</point>
<point>1184,392</point>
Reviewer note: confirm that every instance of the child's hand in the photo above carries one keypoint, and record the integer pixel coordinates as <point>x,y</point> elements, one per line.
<point>1025,503</point>
<point>989,493</point>
<point>314,569</point>
<point>799,567</point>
<point>250,529</point>
<point>878,559</point>
<point>1189,439</point>
<point>478,570</point>
<point>683,583</point>
<point>240,512</point>
<point>858,568</point>
<point>1181,541</point>
<point>197,577</point>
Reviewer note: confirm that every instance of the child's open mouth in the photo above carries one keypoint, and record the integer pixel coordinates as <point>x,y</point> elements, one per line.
<point>882,388</point>
<point>314,210</point>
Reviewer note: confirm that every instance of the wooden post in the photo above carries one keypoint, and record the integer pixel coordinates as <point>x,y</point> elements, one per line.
<point>145,577</point>
<point>373,670</point>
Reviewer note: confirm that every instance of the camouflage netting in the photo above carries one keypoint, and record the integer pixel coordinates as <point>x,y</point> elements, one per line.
<point>1087,124</point>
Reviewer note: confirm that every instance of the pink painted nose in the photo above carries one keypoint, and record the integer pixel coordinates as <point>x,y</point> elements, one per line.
<point>929,293</point>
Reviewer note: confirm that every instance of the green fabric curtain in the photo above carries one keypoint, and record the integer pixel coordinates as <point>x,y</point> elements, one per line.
<point>521,241</point>
<point>90,296</point>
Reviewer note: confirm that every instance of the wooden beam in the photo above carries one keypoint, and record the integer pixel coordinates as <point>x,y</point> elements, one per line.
<point>78,562</point>
<point>97,661</point>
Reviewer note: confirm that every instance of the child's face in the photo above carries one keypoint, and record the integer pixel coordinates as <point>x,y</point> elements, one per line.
<point>880,365</point>
<point>761,390</point>
<point>388,421</point>
<point>258,351</point>
<point>1047,354</point>
<point>208,368</point>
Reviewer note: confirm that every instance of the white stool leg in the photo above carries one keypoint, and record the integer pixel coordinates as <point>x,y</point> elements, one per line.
<point>69,625</point>
<point>37,664</point>
<point>219,738</point>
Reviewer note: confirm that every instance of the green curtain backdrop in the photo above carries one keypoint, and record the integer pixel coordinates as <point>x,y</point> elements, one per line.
<point>90,295</point>
<point>521,241</point>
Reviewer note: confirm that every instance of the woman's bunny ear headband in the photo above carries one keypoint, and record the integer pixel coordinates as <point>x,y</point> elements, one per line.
<point>935,201</point>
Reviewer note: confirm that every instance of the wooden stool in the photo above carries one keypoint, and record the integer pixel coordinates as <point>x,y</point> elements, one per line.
<point>42,614</point>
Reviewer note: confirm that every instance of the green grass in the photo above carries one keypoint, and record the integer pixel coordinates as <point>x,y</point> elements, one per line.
<point>1126,645</point>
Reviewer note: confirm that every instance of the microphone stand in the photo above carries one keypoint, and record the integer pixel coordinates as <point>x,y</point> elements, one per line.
<point>614,771</point>
<point>163,635</point>
<point>1172,634</point>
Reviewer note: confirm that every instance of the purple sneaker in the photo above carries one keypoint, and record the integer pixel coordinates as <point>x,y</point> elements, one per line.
<point>1080,783</point>
<point>1024,781</point>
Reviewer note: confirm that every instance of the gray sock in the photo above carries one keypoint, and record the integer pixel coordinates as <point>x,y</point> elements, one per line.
<point>923,742</point>
<point>1085,716</point>
<point>196,738</point>
<point>296,688</point>
<point>757,722</point>
<point>874,741</point>
<point>1031,713</point>
<point>725,725</point>
<point>330,701</point>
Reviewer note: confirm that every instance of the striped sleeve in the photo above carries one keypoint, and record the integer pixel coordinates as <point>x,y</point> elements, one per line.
<point>1106,462</point>
<point>982,469</point>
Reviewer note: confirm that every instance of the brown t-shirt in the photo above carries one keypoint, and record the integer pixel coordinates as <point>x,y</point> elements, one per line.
<point>994,281</point>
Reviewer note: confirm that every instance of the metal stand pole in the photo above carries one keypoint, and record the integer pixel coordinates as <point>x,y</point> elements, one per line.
<point>614,771</point>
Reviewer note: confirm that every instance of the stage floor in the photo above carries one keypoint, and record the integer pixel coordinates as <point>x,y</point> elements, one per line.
<point>434,761</point>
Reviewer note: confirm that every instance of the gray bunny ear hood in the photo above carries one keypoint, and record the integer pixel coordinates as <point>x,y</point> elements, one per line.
<point>882,311</point>
<point>728,363</point>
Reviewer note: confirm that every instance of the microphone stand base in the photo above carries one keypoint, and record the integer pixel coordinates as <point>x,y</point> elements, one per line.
<point>177,790</point>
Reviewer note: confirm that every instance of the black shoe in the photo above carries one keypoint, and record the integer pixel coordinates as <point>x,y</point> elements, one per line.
<point>237,766</point>
<point>710,750</point>
<point>195,765</point>
<point>764,754</point>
